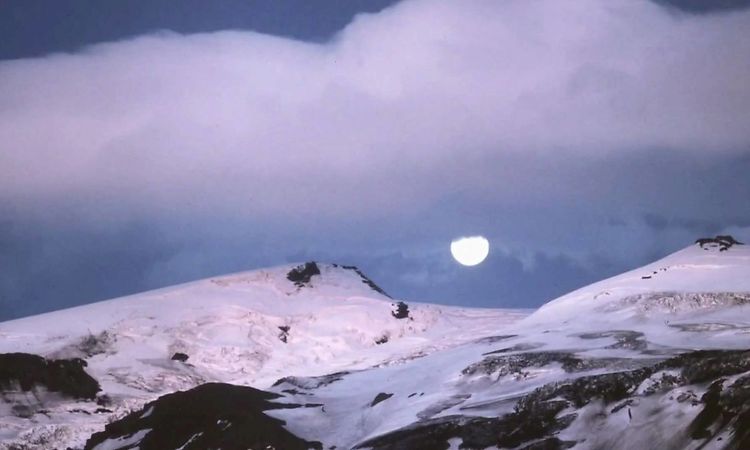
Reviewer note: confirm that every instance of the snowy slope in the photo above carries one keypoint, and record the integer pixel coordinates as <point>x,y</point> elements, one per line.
<point>653,358</point>
<point>248,328</point>
<point>629,326</point>
<point>695,290</point>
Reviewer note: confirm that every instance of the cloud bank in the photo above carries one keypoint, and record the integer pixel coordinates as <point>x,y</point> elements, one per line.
<point>397,102</point>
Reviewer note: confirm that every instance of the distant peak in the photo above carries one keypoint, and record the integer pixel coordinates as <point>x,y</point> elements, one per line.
<point>723,242</point>
<point>302,274</point>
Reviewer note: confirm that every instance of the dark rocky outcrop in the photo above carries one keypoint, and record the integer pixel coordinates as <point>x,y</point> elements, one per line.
<point>509,431</point>
<point>213,415</point>
<point>381,397</point>
<point>705,365</point>
<point>520,347</point>
<point>493,339</point>
<point>66,376</point>
<point>500,364</point>
<point>673,302</point>
<point>539,415</point>
<point>400,310</point>
<point>382,339</point>
<point>367,280</point>
<point>284,333</point>
<point>182,357</point>
<point>624,339</point>
<point>725,407</point>
<point>728,240</point>
<point>724,242</point>
<point>311,382</point>
<point>552,443</point>
<point>302,274</point>
<point>96,344</point>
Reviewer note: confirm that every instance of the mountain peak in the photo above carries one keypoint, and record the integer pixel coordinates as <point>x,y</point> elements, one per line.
<point>722,242</point>
<point>703,276</point>
<point>301,275</point>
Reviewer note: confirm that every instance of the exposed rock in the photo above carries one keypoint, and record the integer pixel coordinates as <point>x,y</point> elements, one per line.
<point>521,347</point>
<point>302,274</point>
<point>213,415</point>
<point>625,339</point>
<point>96,344</point>
<point>706,365</point>
<point>284,333</point>
<point>724,242</point>
<point>66,376</point>
<point>726,407</point>
<point>400,311</point>
<point>708,326</point>
<point>552,443</point>
<point>380,398</point>
<point>493,339</point>
<point>501,365</point>
<point>609,387</point>
<point>674,302</point>
<point>178,356</point>
<point>728,240</point>
<point>367,280</point>
<point>294,392</point>
<point>87,346</point>
<point>508,431</point>
<point>312,382</point>
<point>661,382</point>
<point>537,416</point>
<point>382,339</point>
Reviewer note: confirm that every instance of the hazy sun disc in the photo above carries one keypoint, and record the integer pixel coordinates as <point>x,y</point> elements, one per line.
<point>470,251</point>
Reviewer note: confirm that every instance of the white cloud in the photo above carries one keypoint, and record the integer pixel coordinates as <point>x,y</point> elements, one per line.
<point>401,109</point>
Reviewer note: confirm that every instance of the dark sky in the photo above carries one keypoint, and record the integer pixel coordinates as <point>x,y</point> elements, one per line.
<point>37,27</point>
<point>582,140</point>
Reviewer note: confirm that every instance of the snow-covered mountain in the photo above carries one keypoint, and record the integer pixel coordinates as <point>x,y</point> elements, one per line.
<point>291,358</point>
<point>248,328</point>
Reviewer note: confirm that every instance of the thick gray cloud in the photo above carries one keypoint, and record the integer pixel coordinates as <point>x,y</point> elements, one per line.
<point>581,137</point>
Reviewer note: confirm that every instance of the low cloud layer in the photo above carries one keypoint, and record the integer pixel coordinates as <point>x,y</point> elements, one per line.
<point>564,131</point>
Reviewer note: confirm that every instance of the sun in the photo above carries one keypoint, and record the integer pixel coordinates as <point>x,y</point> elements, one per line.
<point>471,250</point>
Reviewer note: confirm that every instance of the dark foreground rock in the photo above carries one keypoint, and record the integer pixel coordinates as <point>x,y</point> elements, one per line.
<point>723,420</point>
<point>65,376</point>
<point>210,416</point>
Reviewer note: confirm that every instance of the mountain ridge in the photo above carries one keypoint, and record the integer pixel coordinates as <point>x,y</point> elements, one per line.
<point>611,365</point>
